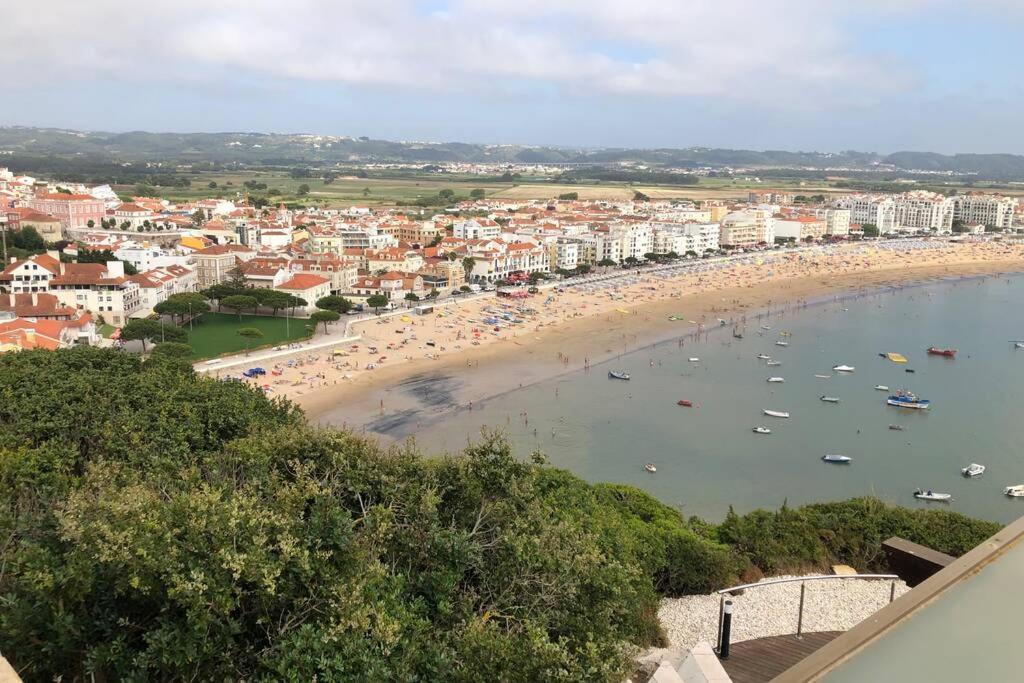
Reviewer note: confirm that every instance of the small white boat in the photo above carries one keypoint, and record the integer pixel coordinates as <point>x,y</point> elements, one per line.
<point>830,399</point>
<point>1018,345</point>
<point>762,356</point>
<point>782,343</point>
<point>773,363</point>
<point>932,495</point>
<point>618,374</point>
<point>650,467</point>
<point>973,470</point>
<point>837,459</point>
<point>843,368</point>
<point>766,327</point>
<point>775,413</point>
<point>881,387</point>
<point>762,430</point>
<point>823,376</point>
<point>694,360</point>
<point>776,379</point>
<point>1016,491</point>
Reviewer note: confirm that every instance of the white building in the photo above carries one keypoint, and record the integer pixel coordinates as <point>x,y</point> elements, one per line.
<point>97,288</point>
<point>476,229</point>
<point>681,238</point>
<point>837,221</point>
<point>972,209</point>
<point>876,210</point>
<point>146,256</point>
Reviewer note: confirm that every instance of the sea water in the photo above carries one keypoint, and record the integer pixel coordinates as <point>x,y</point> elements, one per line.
<point>708,457</point>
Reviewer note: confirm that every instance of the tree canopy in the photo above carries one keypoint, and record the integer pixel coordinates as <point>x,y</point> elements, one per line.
<point>239,303</point>
<point>338,304</point>
<point>159,525</point>
<point>325,316</point>
<point>376,301</point>
<point>145,330</point>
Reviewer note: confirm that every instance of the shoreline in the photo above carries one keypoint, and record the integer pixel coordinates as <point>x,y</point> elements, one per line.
<point>403,398</point>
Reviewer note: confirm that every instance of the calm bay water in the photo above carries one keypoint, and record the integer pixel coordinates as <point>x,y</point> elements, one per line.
<point>707,456</point>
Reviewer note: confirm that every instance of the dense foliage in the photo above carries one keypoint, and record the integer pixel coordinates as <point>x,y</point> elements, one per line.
<point>158,525</point>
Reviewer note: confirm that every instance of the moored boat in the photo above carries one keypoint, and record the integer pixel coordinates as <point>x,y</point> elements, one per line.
<point>830,399</point>
<point>881,387</point>
<point>837,459</point>
<point>694,359</point>
<point>908,399</point>
<point>932,495</point>
<point>773,363</point>
<point>973,470</point>
<point>618,374</point>
<point>1016,491</point>
<point>782,343</point>
<point>684,402</point>
<point>896,357</point>
<point>936,351</point>
<point>896,428</point>
<point>823,376</point>
<point>650,467</point>
<point>843,368</point>
<point>775,413</point>
<point>762,430</point>
<point>776,379</point>
<point>763,356</point>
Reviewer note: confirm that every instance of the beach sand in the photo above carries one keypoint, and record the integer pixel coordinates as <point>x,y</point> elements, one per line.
<point>470,361</point>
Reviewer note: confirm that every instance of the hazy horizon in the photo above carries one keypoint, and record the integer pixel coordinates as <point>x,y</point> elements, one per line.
<point>929,75</point>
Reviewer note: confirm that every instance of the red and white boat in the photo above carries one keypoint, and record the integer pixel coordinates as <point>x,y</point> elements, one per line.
<point>936,351</point>
<point>684,402</point>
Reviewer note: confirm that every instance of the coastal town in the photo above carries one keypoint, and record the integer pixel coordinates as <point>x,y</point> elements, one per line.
<point>98,260</point>
<point>553,342</point>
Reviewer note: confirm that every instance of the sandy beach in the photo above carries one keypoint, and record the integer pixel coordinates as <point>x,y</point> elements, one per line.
<point>412,368</point>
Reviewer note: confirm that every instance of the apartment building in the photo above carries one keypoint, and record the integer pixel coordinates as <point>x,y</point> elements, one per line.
<point>974,209</point>
<point>214,264</point>
<point>681,238</point>
<point>99,288</point>
<point>476,229</point>
<point>745,229</point>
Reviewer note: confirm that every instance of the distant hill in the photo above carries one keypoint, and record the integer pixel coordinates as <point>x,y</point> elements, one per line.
<point>301,149</point>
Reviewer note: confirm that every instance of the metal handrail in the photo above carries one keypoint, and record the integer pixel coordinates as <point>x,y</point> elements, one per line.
<point>772,582</point>
<point>803,585</point>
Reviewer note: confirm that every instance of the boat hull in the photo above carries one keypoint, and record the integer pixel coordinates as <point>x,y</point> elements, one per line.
<point>913,405</point>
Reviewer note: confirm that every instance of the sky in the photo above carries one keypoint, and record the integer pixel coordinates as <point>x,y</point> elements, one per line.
<point>824,75</point>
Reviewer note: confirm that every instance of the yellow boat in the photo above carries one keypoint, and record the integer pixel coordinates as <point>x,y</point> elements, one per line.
<point>622,310</point>
<point>896,357</point>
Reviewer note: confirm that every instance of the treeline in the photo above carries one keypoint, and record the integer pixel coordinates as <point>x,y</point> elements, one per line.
<point>159,525</point>
<point>599,174</point>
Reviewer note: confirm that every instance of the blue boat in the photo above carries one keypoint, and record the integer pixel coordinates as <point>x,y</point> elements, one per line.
<point>907,399</point>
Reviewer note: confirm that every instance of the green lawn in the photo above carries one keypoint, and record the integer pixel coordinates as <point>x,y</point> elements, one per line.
<point>215,334</point>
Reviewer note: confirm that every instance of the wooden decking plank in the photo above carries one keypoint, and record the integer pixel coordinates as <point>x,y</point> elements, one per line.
<point>762,659</point>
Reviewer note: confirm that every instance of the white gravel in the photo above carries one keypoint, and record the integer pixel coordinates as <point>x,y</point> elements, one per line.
<point>833,605</point>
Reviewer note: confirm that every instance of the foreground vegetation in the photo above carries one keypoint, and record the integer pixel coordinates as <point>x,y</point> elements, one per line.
<point>159,525</point>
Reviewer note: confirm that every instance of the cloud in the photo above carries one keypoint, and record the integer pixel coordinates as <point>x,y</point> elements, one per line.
<point>788,53</point>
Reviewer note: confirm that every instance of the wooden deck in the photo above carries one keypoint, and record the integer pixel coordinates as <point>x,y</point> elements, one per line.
<point>762,659</point>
